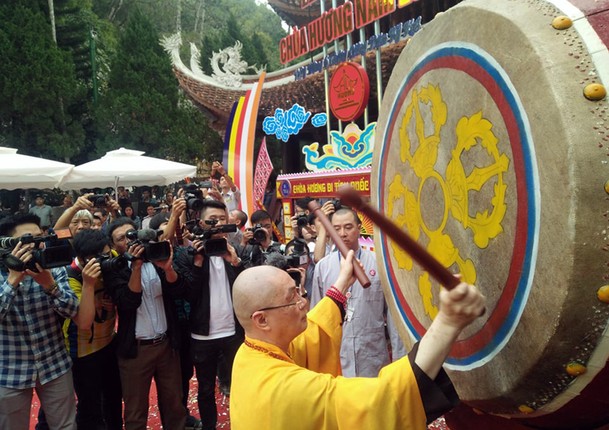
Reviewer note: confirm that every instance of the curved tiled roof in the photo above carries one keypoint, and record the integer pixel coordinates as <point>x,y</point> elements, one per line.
<point>291,12</point>
<point>280,90</point>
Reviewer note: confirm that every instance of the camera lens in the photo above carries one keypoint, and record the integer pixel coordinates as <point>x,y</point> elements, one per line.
<point>260,234</point>
<point>194,203</point>
<point>302,221</point>
<point>131,235</point>
<point>113,264</point>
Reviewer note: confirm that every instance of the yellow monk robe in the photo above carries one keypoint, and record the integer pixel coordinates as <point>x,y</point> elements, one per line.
<point>272,391</point>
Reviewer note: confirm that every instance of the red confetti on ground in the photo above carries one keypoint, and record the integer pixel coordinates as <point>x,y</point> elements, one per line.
<point>222,402</point>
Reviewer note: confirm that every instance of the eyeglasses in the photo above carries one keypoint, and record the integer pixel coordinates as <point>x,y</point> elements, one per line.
<point>300,302</point>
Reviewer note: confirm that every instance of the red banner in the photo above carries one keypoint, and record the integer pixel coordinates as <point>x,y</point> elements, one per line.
<point>318,185</point>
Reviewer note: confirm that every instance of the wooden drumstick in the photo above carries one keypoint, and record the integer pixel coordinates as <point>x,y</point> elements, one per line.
<point>350,197</point>
<point>357,269</point>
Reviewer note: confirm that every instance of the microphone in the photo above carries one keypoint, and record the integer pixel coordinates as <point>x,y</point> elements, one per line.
<point>145,235</point>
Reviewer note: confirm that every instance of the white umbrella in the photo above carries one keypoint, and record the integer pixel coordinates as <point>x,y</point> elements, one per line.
<point>24,171</point>
<point>126,167</point>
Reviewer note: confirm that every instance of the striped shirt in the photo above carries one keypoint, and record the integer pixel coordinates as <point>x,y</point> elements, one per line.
<point>32,347</point>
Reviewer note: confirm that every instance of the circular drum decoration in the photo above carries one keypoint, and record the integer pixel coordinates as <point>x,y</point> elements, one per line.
<point>489,155</point>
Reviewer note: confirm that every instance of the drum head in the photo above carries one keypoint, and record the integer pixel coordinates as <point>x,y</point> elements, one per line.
<point>488,154</point>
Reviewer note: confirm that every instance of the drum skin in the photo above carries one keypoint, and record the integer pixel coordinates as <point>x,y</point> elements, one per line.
<point>488,153</point>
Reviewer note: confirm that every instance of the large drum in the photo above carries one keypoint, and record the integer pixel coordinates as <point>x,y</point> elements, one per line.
<point>490,155</point>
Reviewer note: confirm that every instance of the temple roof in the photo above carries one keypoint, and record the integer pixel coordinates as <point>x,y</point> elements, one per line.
<point>291,12</point>
<point>280,89</point>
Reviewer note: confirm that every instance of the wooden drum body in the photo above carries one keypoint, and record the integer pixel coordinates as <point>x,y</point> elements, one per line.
<point>490,156</point>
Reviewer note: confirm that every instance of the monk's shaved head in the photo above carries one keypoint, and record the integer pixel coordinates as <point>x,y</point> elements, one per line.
<point>256,288</point>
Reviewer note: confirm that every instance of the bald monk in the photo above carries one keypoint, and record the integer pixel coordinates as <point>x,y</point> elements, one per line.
<point>286,374</point>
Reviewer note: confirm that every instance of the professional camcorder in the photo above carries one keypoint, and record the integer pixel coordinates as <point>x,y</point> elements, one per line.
<point>153,251</point>
<point>282,262</point>
<point>259,235</point>
<point>211,246</point>
<point>299,255</point>
<point>48,251</point>
<point>194,197</point>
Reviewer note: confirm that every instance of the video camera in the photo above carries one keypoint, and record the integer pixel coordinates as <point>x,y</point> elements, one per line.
<point>260,235</point>
<point>53,254</point>
<point>194,197</point>
<point>153,251</point>
<point>211,246</point>
<point>282,262</point>
<point>299,255</point>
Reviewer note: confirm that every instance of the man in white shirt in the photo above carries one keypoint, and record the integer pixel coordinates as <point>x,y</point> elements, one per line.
<point>148,332</point>
<point>209,277</point>
<point>229,191</point>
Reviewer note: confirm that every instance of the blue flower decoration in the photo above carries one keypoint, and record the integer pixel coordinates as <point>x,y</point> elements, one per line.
<point>319,120</point>
<point>284,124</point>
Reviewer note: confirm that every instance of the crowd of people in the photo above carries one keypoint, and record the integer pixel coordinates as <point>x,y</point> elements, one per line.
<point>188,283</point>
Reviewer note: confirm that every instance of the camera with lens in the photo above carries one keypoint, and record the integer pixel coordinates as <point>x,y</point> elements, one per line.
<point>53,253</point>
<point>109,263</point>
<point>153,251</point>
<point>302,221</point>
<point>194,197</point>
<point>259,235</point>
<point>98,200</point>
<point>211,246</point>
<point>337,204</point>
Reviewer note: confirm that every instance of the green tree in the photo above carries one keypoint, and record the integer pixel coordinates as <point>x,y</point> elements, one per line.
<point>38,87</point>
<point>142,108</point>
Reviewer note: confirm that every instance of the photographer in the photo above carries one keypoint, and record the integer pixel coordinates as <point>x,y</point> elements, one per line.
<point>228,190</point>
<point>259,238</point>
<point>300,217</point>
<point>90,335</point>
<point>209,280</point>
<point>89,202</point>
<point>148,333</point>
<point>33,303</point>
<point>323,243</point>
<point>298,256</point>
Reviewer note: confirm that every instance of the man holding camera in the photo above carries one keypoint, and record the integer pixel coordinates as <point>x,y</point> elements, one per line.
<point>148,332</point>
<point>209,271</point>
<point>259,238</point>
<point>228,190</point>
<point>77,220</point>
<point>90,335</point>
<point>33,303</point>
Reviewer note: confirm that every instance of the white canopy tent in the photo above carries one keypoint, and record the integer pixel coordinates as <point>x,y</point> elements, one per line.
<point>126,167</point>
<point>23,171</point>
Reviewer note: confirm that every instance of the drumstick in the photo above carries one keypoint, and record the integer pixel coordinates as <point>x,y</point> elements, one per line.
<point>357,269</point>
<point>416,251</point>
